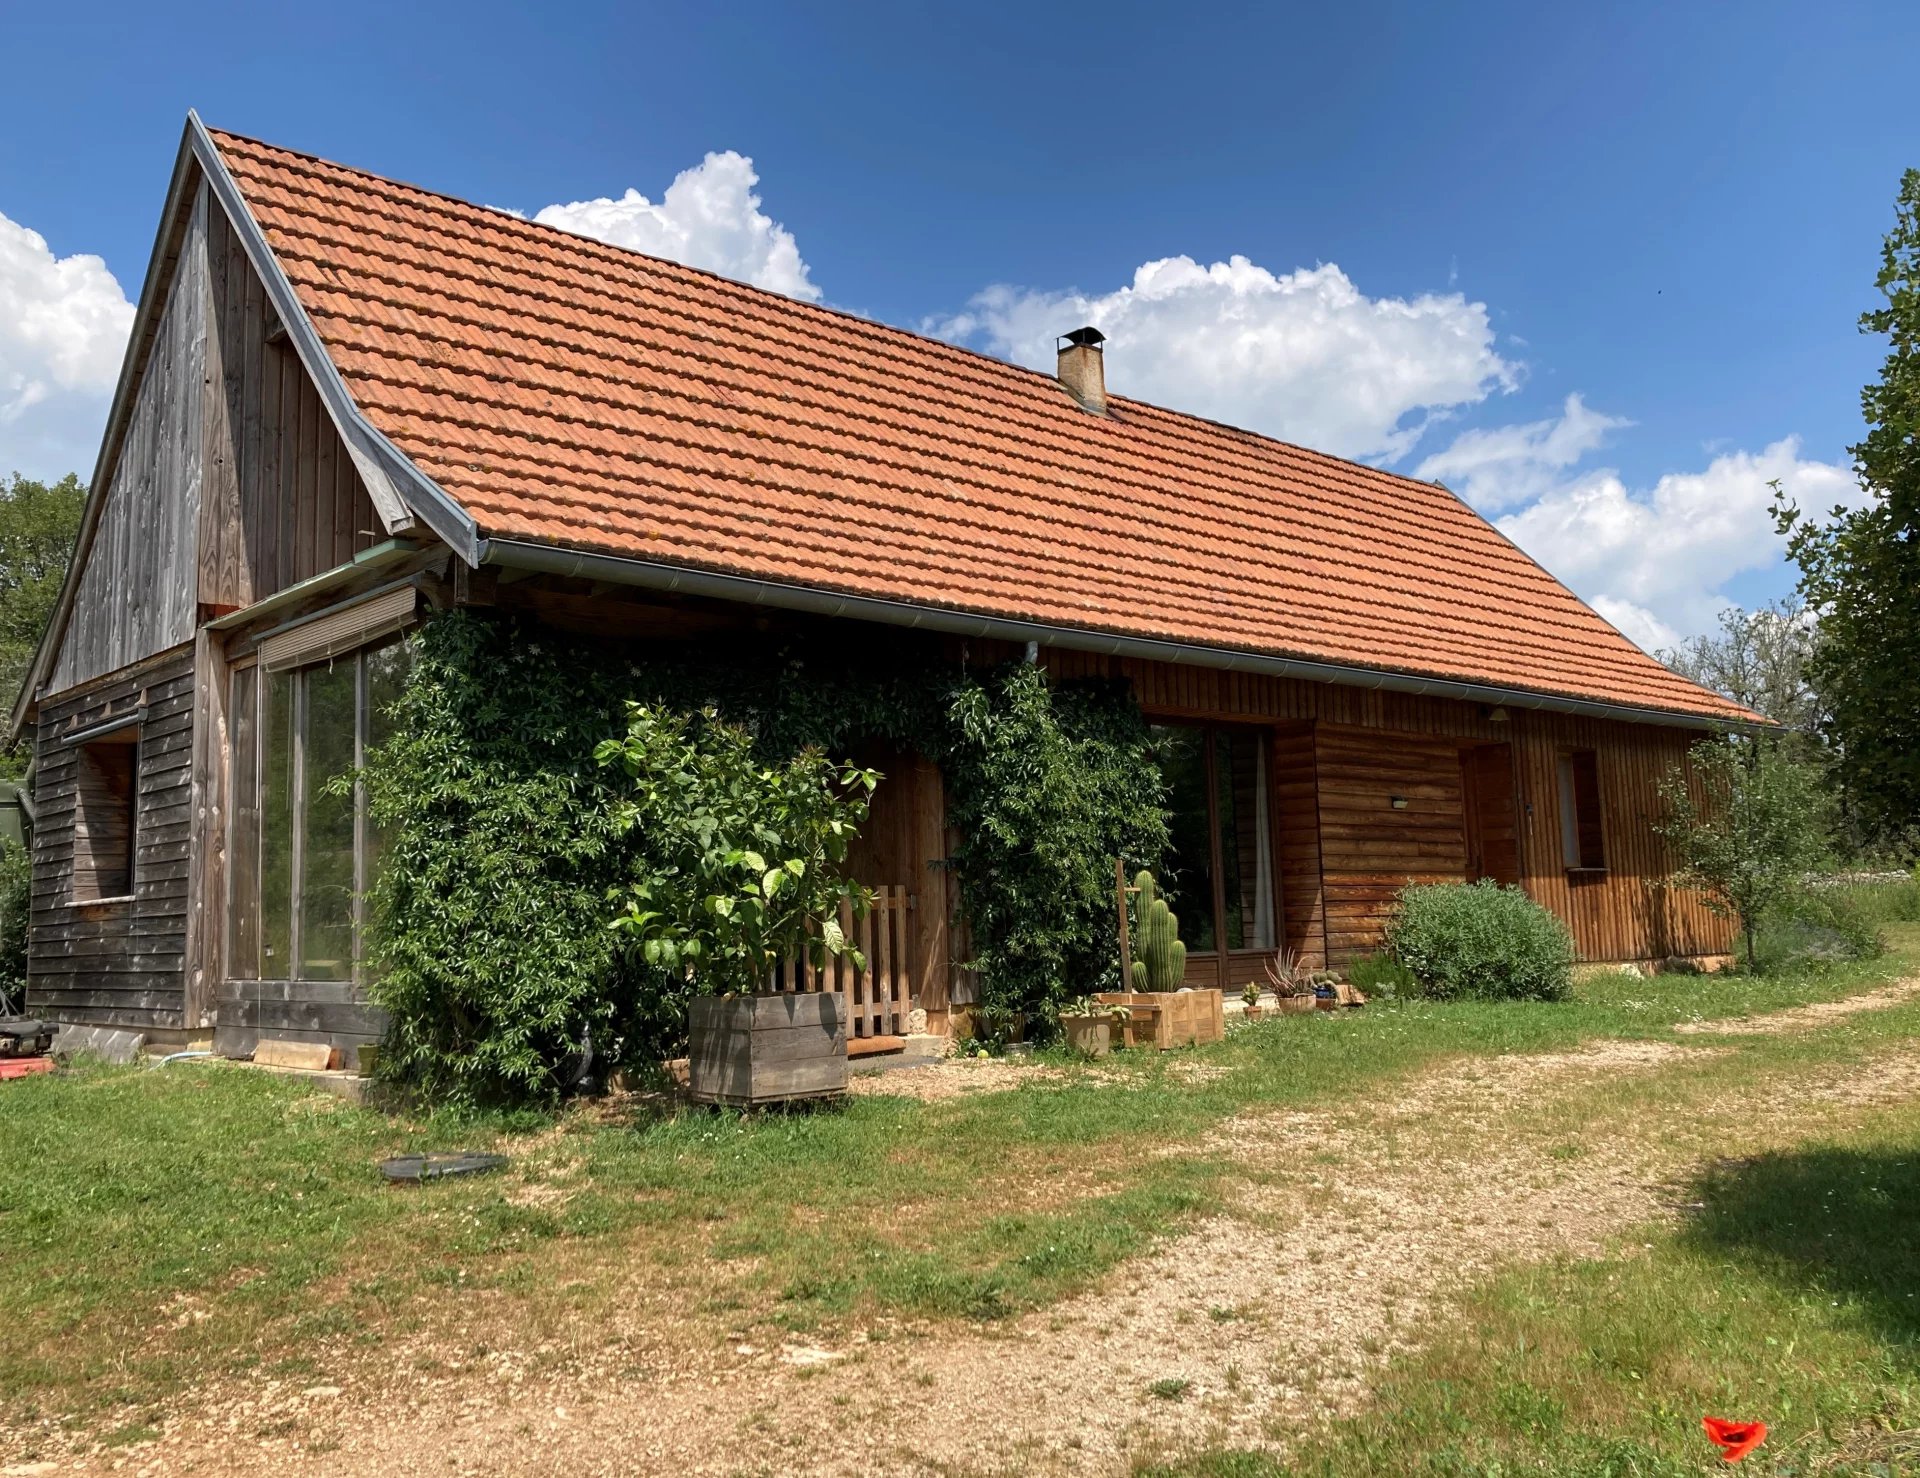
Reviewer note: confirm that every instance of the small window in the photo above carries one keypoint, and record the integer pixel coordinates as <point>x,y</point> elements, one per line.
<point>1582,845</point>
<point>106,782</point>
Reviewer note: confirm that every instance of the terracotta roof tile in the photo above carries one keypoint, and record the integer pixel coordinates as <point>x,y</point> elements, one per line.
<point>568,392</point>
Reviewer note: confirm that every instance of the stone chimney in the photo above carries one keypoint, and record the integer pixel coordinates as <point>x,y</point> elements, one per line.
<point>1083,369</point>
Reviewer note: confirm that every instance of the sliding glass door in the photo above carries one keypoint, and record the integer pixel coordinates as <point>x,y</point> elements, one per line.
<point>1220,880</point>
<point>302,847</point>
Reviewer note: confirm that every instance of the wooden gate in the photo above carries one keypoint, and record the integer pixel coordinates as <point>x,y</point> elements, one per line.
<point>877,998</point>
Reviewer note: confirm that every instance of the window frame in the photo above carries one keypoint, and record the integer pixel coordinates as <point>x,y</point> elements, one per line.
<point>118,734</point>
<point>1575,856</point>
<point>1262,735</point>
<point>247,888</point>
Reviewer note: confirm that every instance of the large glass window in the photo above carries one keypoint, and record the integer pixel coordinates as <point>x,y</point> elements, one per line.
<point>1220,882</point>
<point>303,850</point>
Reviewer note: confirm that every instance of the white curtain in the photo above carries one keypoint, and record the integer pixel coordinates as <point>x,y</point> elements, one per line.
<point>1261,935</point>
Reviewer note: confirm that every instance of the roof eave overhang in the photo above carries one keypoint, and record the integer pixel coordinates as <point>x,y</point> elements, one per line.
<point>780,595</point>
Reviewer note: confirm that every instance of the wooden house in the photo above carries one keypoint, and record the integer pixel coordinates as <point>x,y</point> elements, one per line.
<point>350,402</point>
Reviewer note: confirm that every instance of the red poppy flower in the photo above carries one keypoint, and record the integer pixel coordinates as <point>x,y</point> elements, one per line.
<point>1734,1439</point>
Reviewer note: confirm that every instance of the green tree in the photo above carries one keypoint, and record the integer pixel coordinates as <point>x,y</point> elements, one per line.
<point>38,524</point>
<point>1760,658</point>
<point>1745,826</point>
<point>1860,568</point>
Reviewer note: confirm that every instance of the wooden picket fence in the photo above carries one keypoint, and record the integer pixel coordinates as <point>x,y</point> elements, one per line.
<point>877,998</point>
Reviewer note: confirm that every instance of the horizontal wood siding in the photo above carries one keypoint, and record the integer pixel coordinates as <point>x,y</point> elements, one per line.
<point>135,595</point>
<point>1371,848</point>
<point>116,963</point>
<point>334,1012</point>
<point>1373,742</point>
<point>291,505</point>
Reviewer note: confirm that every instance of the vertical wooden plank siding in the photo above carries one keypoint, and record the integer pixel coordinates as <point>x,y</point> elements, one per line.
<point>136,592</point>
<point>120,962</point>
<point>1390,814</point>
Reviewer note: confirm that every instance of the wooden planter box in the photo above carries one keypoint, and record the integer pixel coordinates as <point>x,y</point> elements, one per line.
<point>1168,1018</point>
<point>752,1051</point>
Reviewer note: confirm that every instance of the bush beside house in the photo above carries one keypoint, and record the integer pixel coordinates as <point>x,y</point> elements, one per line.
<point>1481,941</point>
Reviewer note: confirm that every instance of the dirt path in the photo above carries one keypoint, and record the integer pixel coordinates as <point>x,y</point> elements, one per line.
<point>1805,1018</point>
<point>1343,1233</point>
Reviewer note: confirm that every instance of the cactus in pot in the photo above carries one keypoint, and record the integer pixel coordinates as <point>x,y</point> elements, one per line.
<point>1160,958</point>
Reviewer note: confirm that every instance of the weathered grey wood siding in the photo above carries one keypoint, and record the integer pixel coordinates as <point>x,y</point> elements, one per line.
<point>284,502</point>
<point>136,592</point>
<point>117,963</point>
<point>330,1011</point>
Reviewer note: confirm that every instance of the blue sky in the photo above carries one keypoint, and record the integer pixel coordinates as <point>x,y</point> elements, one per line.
<point>1450,224</point>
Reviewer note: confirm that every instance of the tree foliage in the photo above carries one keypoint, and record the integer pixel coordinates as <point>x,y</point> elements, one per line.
<point>1743,819</point>
<point>39,522</point>
<point>1762,658</point>
<point>1860,568</point>
<point>733,865</point>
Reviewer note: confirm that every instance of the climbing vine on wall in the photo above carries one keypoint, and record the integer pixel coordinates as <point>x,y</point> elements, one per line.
<point>491,945</point>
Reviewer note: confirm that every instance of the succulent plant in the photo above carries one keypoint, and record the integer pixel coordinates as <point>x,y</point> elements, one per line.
<point>1160,959</point>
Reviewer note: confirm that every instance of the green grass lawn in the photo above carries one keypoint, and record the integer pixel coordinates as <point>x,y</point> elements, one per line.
<point>163,1226</point>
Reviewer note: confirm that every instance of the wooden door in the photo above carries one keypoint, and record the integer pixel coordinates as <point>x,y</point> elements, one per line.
<point>1489,814</point>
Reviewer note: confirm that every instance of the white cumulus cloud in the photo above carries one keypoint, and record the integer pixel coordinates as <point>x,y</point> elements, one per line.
<point>709,217</point>
<point>1303,355</point>
<point>1654,561</point>
<point>63,329</point>
<point>1500,466</point>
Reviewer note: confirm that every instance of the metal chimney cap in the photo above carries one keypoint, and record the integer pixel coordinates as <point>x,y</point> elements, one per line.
<point>1087,338</point>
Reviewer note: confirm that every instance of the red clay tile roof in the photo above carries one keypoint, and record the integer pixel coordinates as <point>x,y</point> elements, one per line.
<point>572,393</point>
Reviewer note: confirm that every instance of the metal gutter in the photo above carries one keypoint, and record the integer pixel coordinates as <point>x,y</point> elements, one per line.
<point>744,590</point>
<point>376,558</point>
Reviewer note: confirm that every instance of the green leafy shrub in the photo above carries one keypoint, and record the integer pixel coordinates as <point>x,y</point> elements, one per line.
<point>1383,978</point>
<point>733,866</point>
<point>16,890</point>
<point>1480,941</point>
<point>490,946</point>
<point>1812,927</point>
<point>504,839</point>
<point>1046,786</point>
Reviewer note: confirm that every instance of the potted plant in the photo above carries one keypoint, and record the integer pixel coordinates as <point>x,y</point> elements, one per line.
<point>1088,1023</point>
<point>1291,983</point>
<point>1250,998</point>
<point>1165,1011</point>
<point>735,879</point>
